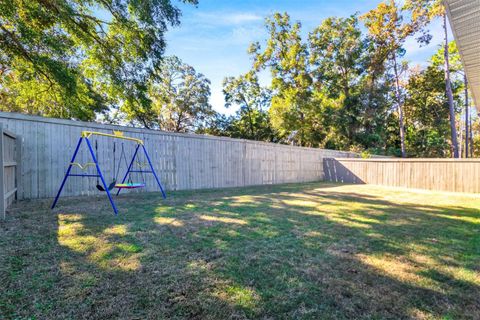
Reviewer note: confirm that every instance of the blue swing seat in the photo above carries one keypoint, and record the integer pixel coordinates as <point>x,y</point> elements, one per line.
<point>129,185</point>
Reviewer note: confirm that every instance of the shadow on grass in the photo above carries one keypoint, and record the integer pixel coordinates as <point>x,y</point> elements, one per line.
<point>293,251</point>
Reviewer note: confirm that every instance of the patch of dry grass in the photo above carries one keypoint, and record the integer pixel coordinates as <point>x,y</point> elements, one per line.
<point>304,251</point>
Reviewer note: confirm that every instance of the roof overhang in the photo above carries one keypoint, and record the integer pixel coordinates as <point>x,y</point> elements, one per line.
<point>464,17</point>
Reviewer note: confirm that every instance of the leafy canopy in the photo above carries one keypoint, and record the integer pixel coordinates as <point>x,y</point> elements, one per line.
<point>252,120</point>
<point>95,53</point>
<point>180,97</point>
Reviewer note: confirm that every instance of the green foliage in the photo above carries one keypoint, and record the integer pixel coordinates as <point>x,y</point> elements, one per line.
<point>339,88</point>
<point>21,91</point>
<point>427,113</point>
<point>216,125</point>
<point>426,110</point>
<point>337,58</point>
<point>252,121</point>
<point>180,97</point>
<point>74,58</point>
<point>388,31</point>
<point>336,52</point>
<point>238,126</point>
<point>476,139</point>
<point>438,59</point>
<point>423,12</point>
<point>321,93</point>
<point>286,57</point>
<point>365,155</point>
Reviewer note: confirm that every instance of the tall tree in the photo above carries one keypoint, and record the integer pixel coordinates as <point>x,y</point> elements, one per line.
<point>336,55</point>
<point>388,31</point>
<point>286,56</point>
<point>426,108</point>
<point>457,80</point>
<point>467,120</point>
<point>423,12</point>
<point>448,89</point>
<point>97,53</point>
<point>180,97</point>
<point>336,48</point>
<point>253,101</point>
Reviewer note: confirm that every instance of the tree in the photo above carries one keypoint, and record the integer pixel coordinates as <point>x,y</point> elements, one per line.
<point>252,120</point>
<point>216,125</point>
<point>336,48</point>
<point>388,32</point>
<point>22,91</point>
<point>336,55</point>
<point>237,126</point>
<point>457,80</point>
<point>92,54</point>
<point>475,139</point>
<point>427,114</point>
<point>286,56</point>
<point>180,97</point>
<point>423,12</point>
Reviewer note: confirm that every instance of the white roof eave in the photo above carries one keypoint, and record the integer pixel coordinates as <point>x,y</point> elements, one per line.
<point>464,17</point>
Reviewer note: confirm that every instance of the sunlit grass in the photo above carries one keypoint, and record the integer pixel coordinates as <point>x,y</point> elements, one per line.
<point>240,296</point>
<point>222,219</point>
<point>120,230</point>
<point>98,247</point>
<point>311,251</point>
<point>168,221</point>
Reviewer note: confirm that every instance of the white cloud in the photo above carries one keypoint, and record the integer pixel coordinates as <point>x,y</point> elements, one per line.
<point>239,18</point>
<point>244,35</point>
<point>227,18</point>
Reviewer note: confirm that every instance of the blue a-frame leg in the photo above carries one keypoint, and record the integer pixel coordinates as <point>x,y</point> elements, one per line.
<point>152,170</point>
<point>99,174</point>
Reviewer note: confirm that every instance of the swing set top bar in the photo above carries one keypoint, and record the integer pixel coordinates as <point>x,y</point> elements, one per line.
<point>116,134</point>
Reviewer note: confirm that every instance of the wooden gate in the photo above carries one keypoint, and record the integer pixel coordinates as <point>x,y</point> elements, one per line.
<point>10,155</point>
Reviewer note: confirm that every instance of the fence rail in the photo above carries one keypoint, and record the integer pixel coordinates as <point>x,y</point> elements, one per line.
<point>183,161</point>
<point>10,146</point>
<point>455,175</point>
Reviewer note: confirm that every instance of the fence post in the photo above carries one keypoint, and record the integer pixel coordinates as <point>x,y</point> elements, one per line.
<point>2,170</point>
<point>18,167</point>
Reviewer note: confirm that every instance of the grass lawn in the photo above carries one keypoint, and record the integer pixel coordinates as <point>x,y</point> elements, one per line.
<point>305,251</point>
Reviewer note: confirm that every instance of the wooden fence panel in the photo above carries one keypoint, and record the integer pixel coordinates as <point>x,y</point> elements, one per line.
<point>455,175</point>
<point>183,161</point>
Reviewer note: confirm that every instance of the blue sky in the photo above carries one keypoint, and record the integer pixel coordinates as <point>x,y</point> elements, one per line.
<point>214,36</point>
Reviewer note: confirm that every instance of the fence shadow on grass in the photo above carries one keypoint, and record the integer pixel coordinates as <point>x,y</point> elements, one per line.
<point>294,251</point>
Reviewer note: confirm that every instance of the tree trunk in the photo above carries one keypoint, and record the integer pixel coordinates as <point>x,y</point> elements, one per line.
<point>249,110</point>
<point>399,107</point>
<point>460,144</point>
<point>178,122</point>
<point>448,87</point>
<point>467,131</point>
<point>471,138</point>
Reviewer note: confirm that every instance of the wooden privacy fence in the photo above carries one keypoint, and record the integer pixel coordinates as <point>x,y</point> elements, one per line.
<point>456,175</point>
<point>10,148</point>
<point>183,161</point>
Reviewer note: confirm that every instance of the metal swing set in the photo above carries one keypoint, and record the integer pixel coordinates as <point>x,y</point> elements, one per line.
<point>130,169</point>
